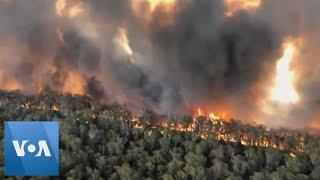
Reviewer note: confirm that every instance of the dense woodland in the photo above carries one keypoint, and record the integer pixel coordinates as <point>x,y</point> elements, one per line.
<point>104,141</point>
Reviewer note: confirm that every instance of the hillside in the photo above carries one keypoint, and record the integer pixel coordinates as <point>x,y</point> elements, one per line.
<point>99,141</point>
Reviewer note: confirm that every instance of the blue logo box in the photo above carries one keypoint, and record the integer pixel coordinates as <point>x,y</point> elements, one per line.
<point>31,148</point>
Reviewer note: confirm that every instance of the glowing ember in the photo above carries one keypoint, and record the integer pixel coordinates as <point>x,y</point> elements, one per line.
<point>237,5</point>
<point>284,90</point>
<point>55,108</point>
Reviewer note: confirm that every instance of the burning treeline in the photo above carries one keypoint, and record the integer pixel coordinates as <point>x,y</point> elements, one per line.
<point>250,59</point>
<point>52,105</point>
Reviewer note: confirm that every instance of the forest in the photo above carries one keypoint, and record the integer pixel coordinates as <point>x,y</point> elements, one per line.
<point>100,140</point>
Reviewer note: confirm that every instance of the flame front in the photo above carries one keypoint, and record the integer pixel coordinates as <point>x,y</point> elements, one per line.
<point>284,90</point>
<point>204,127</point>
<point>220,115</point>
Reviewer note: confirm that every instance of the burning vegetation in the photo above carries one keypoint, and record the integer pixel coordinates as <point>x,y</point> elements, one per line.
<point>99,140</point>
<point>214,126</point>
<point>196,64</point>
<point>246,59</point>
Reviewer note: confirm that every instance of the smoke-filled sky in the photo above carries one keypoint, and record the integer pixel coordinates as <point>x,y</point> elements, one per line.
<point>172,55</point>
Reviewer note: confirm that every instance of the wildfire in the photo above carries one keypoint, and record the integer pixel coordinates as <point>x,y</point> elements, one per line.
<point>8,83</point>
<point>284,90</point>
<point>74,83</point>
<point>155,3</point>
<point>69,8</point>
<point>60,6</point>
<point>237,5</point>
<point>76,10</point>
<point>123,41</point>
<point>12,85</point>
<point>212,115</point>
<point>152,4</point>
<point>55,108</point>
<point>144,9</point>
<point>216,117</point>
<point>200,112</point>
<point>204,127</point>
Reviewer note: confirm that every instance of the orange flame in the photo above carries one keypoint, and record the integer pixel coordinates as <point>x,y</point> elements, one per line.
<point>165,8</point>
<point>200,112</point>
<point>217,115</point>
<point>76,10</point>
<point>60,6</point>
<point>12,84</point>
<point>155,3</point>
<point>74,83</point>
<point>8,83</point>
<point>237,5</point>
<point>123,41</point>
<point>69,8</point>
<point>284,90</point>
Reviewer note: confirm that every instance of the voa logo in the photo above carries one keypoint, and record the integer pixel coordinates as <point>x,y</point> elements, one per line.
<point>42,144</point>
<point>31,148</point>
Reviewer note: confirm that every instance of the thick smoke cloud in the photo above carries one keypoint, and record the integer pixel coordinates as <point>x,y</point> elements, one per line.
<point>187,57</point>
<point>211,60</point>
<point>201,59</point>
